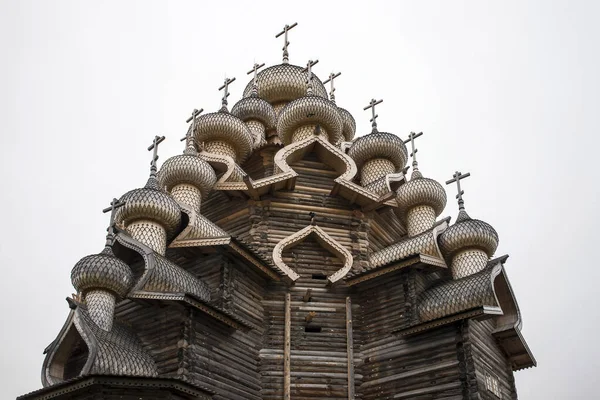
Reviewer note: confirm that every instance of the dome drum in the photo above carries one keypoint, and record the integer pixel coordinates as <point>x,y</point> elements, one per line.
<point>101,308</point>
<point>221,148</point>
<point>468,262</point>
<point>307,131</point>
<point>420,219</point>
<point>187,194</point>
<point>258,132</point>
<point>149,233</point>
<point>375,169</point>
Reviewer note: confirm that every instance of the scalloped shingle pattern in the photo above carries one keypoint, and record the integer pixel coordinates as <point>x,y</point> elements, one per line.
<point>349,124</point>
<point>187,169</point>
<point>379,145</point>
<point>284,82</point>
<point>150,203</point>
<point>310,110</point>
<point>469,233</point>
<point>454,296</point>
<point>255,108</point>
<point>222,126</point>
<point>167,277</point>
<point>119,352</point>
<point>421,192</point>
<point>102,271</point>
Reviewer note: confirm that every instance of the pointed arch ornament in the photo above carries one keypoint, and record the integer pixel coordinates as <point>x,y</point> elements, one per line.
<point>324,240</point>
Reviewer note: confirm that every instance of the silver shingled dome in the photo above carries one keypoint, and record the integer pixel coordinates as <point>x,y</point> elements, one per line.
<point>102,271</point>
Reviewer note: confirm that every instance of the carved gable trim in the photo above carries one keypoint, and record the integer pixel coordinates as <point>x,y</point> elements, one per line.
<point>324,240</point>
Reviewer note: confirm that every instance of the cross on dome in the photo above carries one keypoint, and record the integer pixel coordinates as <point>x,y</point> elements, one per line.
<point>309,75</point>
<point>154,146</point>
<point>286,55</point>
<point>254,70</point>
<point>189,136</point>
<point>411,139</point>
<point>373,119</point>
<point>332,76</point>
<point>457,178</point>
<point>114,204</point>
<point>225,92</point>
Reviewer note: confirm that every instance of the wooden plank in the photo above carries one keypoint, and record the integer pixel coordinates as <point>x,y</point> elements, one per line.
<point>350,346</point>
<point>287,346</point>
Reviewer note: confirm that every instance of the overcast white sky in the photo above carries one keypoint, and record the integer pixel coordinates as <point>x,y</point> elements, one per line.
<point>508,91</point>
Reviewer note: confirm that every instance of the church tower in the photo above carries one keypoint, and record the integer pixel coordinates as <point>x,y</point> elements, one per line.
<point>279,257</point>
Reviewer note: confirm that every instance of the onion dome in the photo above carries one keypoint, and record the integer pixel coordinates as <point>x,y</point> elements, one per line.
<point>378,154</point>
<point>468,233</point>
<point>284,83</point>
<point>301,117</point>
<point>102,271</point>
<point>224,134</point>
<point>187,169</point>
<point>349,124</point>
<point>100,278</point>
<point>150,203</point>
<point>258,115</point>
<point>469,243</point>
<point>420,201</point>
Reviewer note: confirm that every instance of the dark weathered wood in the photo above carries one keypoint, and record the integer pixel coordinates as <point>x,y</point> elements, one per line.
<point>286,348</point>
<point>350,346</point>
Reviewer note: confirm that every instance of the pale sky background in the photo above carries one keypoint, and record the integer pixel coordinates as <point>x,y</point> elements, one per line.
<point>508,91</point>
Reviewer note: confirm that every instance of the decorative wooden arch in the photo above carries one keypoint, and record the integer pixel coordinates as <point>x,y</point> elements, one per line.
<point>324,240</point>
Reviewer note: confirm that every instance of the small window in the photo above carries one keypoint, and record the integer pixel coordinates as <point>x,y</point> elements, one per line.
<point>492,384</point>
<point>312,329</point>
<point>320,277</point>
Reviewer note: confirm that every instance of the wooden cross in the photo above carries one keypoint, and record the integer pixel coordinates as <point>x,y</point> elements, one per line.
<point>332,76</point>
<point>254,70</point>
<point>373,119</point>
<point>190,134</point>
<point>154,146</point>
<point>286,55</point>
<point>226,91</point>
<point>114,204</point>
<point>309,74</point>
<point>457,178</point>
<point>411,139</point>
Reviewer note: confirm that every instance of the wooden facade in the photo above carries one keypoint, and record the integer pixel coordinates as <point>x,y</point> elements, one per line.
<point>355,308</point>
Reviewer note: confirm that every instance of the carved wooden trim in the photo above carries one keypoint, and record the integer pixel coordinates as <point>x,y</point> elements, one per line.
<point>324,240</point>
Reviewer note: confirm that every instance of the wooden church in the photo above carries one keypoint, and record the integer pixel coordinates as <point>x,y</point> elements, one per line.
<point>280,257</point>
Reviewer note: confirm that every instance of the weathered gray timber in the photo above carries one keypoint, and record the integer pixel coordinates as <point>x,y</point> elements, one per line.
<point>273,260</point>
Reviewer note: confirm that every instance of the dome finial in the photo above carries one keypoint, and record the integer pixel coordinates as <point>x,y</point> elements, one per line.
<point>254,70</point>
<point>154,146</point>
<point>189,136</point>
<point>286,55</point>
<point>225,92</point>
<point>332,76</point>
<point>415,164</point>
<point>373,119</point>
<point>457,178</point>
<point>309,76</point>
<point>114,204</point>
